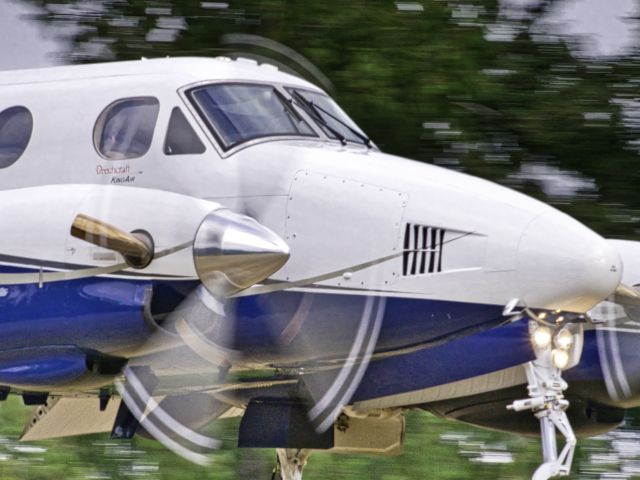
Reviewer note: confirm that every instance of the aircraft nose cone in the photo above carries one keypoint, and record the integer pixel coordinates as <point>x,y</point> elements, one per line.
<point>563,265</point>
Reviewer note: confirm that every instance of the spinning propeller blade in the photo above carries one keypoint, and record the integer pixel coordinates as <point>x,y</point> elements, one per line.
<point>160,423</point>
<point>626,296</point>
<point>617,324</point>
<point>329,391</point>
<point>230,253</point>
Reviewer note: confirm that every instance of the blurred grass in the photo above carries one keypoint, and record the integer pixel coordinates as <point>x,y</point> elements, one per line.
<point>434,449</point>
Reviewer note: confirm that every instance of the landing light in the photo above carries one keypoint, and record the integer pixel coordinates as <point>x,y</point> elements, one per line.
<point>542,337</point>
<point>560,358</point>
<point>564,339</point>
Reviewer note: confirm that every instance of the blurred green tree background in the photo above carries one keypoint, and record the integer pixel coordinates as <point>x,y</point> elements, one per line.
<point>427,80</point>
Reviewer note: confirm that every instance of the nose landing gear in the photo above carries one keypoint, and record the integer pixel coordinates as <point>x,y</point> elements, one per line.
<point>557,345</point>
<point>548,404</point>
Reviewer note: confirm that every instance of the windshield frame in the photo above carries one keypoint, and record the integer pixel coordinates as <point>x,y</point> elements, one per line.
<point>342,118</point>
<point>219,141</point>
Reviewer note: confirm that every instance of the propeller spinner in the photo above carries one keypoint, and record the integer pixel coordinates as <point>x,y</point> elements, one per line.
<point>232,252</point>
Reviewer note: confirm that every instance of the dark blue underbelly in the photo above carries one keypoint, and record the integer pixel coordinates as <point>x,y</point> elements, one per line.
<point>112,315</point>
<point>107,314</point>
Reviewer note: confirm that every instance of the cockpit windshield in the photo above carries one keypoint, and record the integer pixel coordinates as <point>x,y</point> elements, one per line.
<point>329,116</point>
<point>238,112</point>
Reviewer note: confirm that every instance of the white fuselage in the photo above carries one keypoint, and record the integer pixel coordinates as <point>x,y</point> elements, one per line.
<point>335,205</point>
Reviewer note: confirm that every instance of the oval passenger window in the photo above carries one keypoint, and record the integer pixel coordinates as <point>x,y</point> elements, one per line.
<point>125,128</point>
<point>16,125</point>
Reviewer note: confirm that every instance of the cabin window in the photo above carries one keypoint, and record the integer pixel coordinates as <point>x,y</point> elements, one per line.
<point>181,139</point>
<point>125,128</point>
<point>239,112</point>
<point>16,125</point>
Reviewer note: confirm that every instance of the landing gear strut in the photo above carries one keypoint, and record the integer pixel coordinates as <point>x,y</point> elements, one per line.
<point>546,399</point>
<point>548,404</point>
<point>290,463</point>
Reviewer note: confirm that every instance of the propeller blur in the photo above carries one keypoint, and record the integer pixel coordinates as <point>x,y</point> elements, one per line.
<point>213,237</point>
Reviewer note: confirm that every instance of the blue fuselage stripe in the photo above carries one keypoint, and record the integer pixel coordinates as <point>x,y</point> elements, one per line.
<point>107,315</point>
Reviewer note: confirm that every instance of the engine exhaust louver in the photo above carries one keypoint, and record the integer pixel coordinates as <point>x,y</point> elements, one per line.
<point>422,250</point>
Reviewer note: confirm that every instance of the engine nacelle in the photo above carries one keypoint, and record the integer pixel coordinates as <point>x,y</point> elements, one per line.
<point>40,369</point>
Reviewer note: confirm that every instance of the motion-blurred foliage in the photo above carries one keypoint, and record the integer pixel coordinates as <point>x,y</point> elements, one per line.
<point>425,81</point>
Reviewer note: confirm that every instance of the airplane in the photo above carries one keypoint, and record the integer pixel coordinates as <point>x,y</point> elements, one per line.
<point>188,239</point>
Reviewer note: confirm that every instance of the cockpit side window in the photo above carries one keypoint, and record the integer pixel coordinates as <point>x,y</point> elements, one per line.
<point>239,112</point>
<point>181,139</point>
<point>16,125</point>
<point>125,128</point>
